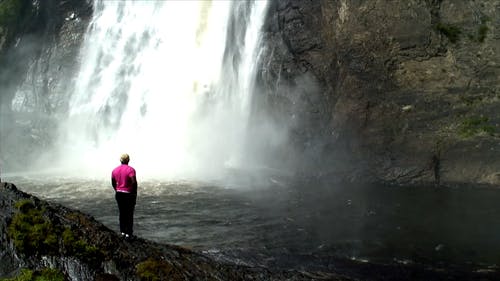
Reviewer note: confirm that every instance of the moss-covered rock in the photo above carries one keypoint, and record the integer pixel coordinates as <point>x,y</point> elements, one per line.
<point>476,125</point>
<point>80,248</point>
<point>156,270</point>
<point>31,232</point>
<point>46,274</point>
<point>452,32</point>
<point>10,10</point>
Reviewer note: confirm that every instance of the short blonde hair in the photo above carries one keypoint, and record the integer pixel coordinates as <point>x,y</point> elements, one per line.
<point>124,158</point>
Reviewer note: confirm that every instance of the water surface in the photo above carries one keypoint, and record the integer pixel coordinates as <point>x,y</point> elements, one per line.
<point>299,223</point>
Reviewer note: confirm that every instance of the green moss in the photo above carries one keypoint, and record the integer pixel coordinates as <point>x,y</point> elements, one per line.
<point>46,274</point>
<point>68,237</point>
<point>24,205</point>
<point>482,32</point>
<point>79,218</point>
<point>474,126</point>
<point>10,11</point>
<point>80,248</point>
<point>450,31</point>
<point>30,231</point>
<point>25,275</point>
<point>49,274</point>
<point>155,270</point>
<point>33,234</point>
<point>470,100</point>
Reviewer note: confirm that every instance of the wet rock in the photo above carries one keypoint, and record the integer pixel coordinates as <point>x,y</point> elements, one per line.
<point>397,87</point>
<point>38,53</point>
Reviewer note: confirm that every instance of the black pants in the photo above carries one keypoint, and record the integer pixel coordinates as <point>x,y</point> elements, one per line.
<point>126,205</point>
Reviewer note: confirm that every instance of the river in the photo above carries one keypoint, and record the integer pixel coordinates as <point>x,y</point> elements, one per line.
<point>302,224</point>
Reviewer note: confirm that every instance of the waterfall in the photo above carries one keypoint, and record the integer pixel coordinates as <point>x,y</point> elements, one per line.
<point>169,82</point>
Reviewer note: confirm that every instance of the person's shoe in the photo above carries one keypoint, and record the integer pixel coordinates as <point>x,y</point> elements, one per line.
<point>123,234</point>
<point>129,237</point>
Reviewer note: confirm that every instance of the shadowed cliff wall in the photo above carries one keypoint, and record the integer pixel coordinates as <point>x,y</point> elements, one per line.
<point>399,91</point>
<point>39,48</point>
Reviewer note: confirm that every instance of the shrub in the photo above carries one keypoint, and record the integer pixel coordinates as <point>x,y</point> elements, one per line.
<point>10,11</point>
<point>450,31</point>
<point>80,248</point>
<point>155,270</point>
<point>31,232</point>
<point>476,126</point>
<point>49,274</point>
<point>482,31</point>
<point>25,275</point>
<point>46,274</point>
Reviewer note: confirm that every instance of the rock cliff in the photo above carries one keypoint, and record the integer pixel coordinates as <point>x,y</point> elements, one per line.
<point>39,57</point>
<point>396,91</point>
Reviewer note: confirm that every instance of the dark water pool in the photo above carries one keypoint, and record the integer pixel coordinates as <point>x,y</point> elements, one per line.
<point>301,224</point>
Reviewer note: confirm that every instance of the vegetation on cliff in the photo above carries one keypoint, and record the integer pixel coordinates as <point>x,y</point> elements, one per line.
<point>46,274</point>
<point>156,270</point>
<point>450,31</point>
<point>454,32</point>
<point>30,231</point>
<point>33,233</point>
<point>10,11</point>
<point>13,16</point>
<point>475,126</point>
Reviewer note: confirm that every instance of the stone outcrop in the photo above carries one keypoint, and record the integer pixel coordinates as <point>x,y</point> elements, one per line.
<point>395,91</point>
<point>39,58</point>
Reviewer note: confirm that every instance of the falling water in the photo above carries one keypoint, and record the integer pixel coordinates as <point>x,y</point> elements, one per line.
<point>169,82</point>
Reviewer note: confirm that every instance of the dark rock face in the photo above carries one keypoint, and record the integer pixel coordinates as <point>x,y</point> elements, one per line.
<point>405,92</point>
<point>38,54</point>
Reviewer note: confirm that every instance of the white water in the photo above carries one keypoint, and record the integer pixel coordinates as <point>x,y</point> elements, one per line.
<point>154,83</point>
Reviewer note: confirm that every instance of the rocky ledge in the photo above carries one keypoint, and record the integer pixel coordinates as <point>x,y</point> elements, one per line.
<point>37,235</point>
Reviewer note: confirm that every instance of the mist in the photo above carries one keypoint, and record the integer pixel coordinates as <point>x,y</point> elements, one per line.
<point>170,83</point>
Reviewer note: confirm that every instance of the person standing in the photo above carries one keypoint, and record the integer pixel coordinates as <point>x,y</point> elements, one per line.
<point>124,182</point>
